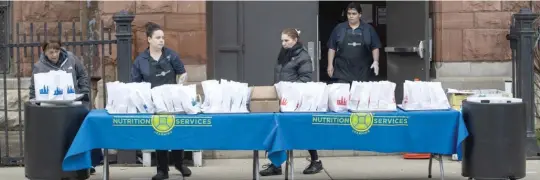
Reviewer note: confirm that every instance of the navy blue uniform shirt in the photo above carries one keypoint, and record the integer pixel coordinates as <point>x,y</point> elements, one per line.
<point>370,35</point>
<point>141,66</point>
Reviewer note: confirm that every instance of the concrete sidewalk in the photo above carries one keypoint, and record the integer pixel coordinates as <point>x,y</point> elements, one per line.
<point>344,168</point>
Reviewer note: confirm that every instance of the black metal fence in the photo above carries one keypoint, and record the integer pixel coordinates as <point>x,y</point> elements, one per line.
<point>94,47</point>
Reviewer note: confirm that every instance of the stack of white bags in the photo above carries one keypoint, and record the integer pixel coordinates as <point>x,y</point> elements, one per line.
<point>225,96</point>
<point>176,98</point>
<point>54,86</point>
<point>140,98</point>
<point>372,96</point>
<point>302,97</point>
<point>420,95</point>
<point>129,98</point>
<point>336,97</point>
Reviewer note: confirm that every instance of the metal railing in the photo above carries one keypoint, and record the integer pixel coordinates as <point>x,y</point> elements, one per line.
<point>93,46</point>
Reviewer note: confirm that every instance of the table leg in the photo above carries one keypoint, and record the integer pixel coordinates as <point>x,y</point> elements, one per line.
<point>256,165</point>
<point>430,165</point>
<point>292,164</point>
<point>105,164</point>
<point>441,166</point>
<point>287,165</point>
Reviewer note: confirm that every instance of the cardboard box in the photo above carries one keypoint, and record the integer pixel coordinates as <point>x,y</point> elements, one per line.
<point>455,99</point>
<point>264,106</point>
<point>263,93</point>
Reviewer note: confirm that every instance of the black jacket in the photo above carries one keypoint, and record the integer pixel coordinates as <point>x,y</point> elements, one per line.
<point>297,68</point>
<point>140,70</point>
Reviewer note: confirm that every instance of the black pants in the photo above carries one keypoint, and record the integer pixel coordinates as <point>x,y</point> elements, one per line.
<point>162,157</point>
<point>96,157</point>
<point>314,155</point>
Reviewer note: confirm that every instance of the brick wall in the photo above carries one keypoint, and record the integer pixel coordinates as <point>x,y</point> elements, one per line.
<point>39,13</point>
<point>184,24</point>
<point>474,30</point>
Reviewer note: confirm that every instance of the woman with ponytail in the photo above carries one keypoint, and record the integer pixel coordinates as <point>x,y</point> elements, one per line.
<point>293,65</point>
<point>160,65</point>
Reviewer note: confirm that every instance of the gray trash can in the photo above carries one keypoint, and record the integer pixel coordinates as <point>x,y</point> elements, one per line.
<point>48,133</point>
<point>495,148</point>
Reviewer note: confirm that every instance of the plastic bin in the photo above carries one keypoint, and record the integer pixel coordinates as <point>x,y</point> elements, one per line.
<point>495,148</point>
<point>48,134</point>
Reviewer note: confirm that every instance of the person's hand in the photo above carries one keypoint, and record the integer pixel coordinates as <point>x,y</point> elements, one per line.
<point>330,70</point>
<point>182,78</point>
<point>375,67</point>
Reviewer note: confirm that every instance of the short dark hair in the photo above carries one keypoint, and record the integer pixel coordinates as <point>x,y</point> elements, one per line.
<point>151,28</point>
<point>354,6</point>
<point>55,44</point>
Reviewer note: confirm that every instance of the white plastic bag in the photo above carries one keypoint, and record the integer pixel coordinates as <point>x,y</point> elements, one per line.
<point>67,83</point>
<point>42,86</point>
<point>290,96</point>
<point>190,103</point>
<point>323,101</point>
<point>386,98</point>
<point>236,96</point>
<point>226,95</point>
<point>245,92</point>
<point>111,99</point>
<point>166,92</point>
<point>338,97</point>
<point>129,98</point>
<point>308,95</point>
<point>146,95</point>
<point>124,105</point>
<point>360,96</point>
<point>424,96</point>
<point>437,96</point>
<point>212,97</point>
<point>57,90</point>
<point>410,101</point>
<point>176,95</point>
<point>158,99</point>
<point>374,95</point>
<point>136,98</point>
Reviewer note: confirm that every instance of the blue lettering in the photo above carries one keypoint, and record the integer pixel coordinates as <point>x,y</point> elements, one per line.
<point>44,90</point>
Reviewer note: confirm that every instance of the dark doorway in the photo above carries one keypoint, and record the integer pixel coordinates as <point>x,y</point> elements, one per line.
<point>244,37</point>
<point>332,13</point>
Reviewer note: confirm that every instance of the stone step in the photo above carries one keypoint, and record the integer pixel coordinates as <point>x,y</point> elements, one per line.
<point>473,82</point>
<point>12,83</point>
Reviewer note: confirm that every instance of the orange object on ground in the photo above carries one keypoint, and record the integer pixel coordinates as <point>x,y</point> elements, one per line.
<point>416,156</point>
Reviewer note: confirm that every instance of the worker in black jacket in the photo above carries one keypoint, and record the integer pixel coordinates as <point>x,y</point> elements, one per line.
<point>294,65</point>
<point>159,65</point>
<point>353,49</point>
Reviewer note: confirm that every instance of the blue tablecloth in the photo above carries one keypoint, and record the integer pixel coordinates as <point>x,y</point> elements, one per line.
<point>204,131</point>
<point>439,132</point>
